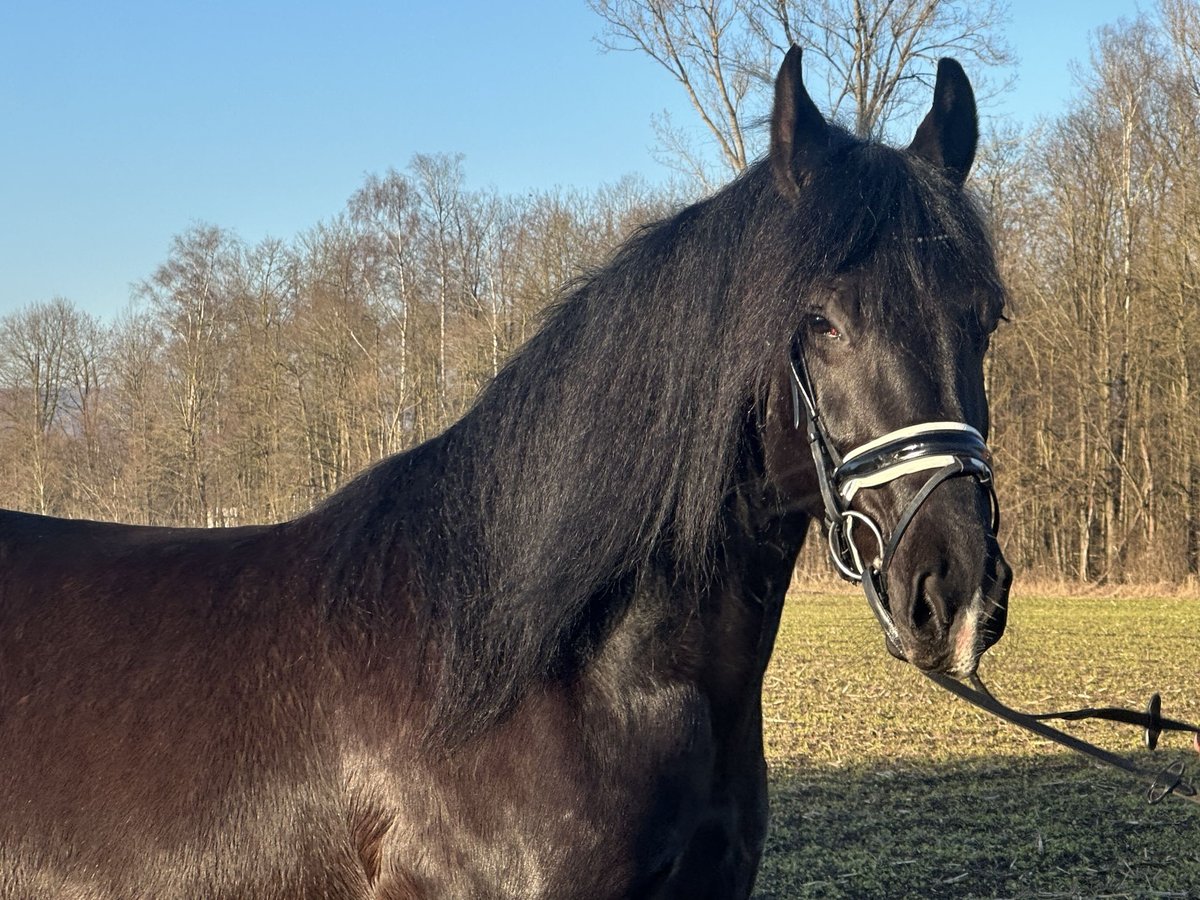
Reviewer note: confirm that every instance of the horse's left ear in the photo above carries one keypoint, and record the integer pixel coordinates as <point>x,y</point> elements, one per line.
<point>949,133</point>
<point>799,134</point>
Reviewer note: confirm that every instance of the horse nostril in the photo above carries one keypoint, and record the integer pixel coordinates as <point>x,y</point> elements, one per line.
<point>923,612</point>
<point>928,606</point>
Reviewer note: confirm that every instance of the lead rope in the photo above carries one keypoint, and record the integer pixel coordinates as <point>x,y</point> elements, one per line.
<point>1171,780</point>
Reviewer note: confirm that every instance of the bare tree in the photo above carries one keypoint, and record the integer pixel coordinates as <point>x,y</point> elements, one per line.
<point>440,182</point>
<point>332,357</point>
<point>260,482</point>
<point>877,55</point>
<point>873,54</point>
<point>89,362</point>
<point>39,366</point>
<point>135,410</point>
<point>190,294</point>
<point>386,210</point>
<point>1095,385</point>
<point>706,47</point>
<point>1182,21</point>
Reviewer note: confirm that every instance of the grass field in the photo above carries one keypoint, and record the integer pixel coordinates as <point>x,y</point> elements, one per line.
<point>885,786</point>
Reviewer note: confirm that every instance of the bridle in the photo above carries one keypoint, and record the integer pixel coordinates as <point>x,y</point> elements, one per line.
<point>948,450</point>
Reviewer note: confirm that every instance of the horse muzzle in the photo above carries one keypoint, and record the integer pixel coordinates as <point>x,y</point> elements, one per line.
<point>940,622</point>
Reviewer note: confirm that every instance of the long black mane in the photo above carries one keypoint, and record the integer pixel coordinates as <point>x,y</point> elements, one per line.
<point>607,447</point>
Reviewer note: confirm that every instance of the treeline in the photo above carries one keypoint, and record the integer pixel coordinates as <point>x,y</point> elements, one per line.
<point>247,382</point>
<point>1095,385</point>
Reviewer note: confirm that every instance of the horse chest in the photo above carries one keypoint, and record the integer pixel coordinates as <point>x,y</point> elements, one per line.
<point>579,795</point>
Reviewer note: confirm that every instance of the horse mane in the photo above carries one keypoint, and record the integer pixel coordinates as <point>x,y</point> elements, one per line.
<point>607,446</point>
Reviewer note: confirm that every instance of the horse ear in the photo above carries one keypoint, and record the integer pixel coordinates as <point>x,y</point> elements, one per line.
<point>949,133</point>
<point>798,132</point>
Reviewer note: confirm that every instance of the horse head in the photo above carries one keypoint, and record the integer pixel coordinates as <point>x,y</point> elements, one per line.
<point>878,418</point>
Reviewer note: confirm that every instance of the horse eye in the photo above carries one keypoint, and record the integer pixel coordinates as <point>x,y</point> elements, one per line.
<point>822,326</point>
<point>988,327</point>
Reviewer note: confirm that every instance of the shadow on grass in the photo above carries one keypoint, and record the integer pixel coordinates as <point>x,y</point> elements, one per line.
<point>997,827</point>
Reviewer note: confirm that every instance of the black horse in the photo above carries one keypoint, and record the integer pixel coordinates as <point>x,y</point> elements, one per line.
<point>525,659</point>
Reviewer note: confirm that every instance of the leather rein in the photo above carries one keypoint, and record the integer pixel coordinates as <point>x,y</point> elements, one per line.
<point>950,450</point>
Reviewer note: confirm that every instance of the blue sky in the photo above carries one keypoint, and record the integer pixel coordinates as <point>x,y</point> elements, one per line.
<point>127,121</point>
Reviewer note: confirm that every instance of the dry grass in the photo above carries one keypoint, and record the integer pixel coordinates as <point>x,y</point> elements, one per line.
<point>884,786</point>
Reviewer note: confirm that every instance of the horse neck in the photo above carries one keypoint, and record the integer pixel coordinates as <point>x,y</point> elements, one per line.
<point>717,634</point>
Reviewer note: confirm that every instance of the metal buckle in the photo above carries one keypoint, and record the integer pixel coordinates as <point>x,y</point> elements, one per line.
<point>1170,781</point>
<point>844,551</point>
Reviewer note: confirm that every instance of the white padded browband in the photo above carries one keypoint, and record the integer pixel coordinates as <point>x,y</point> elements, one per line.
<point>905,467</point>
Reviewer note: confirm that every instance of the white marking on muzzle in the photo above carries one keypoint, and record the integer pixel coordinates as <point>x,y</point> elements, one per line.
<point>966,643</point>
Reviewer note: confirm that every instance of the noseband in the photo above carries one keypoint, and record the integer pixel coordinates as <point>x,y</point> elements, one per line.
<point>947,449</point>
